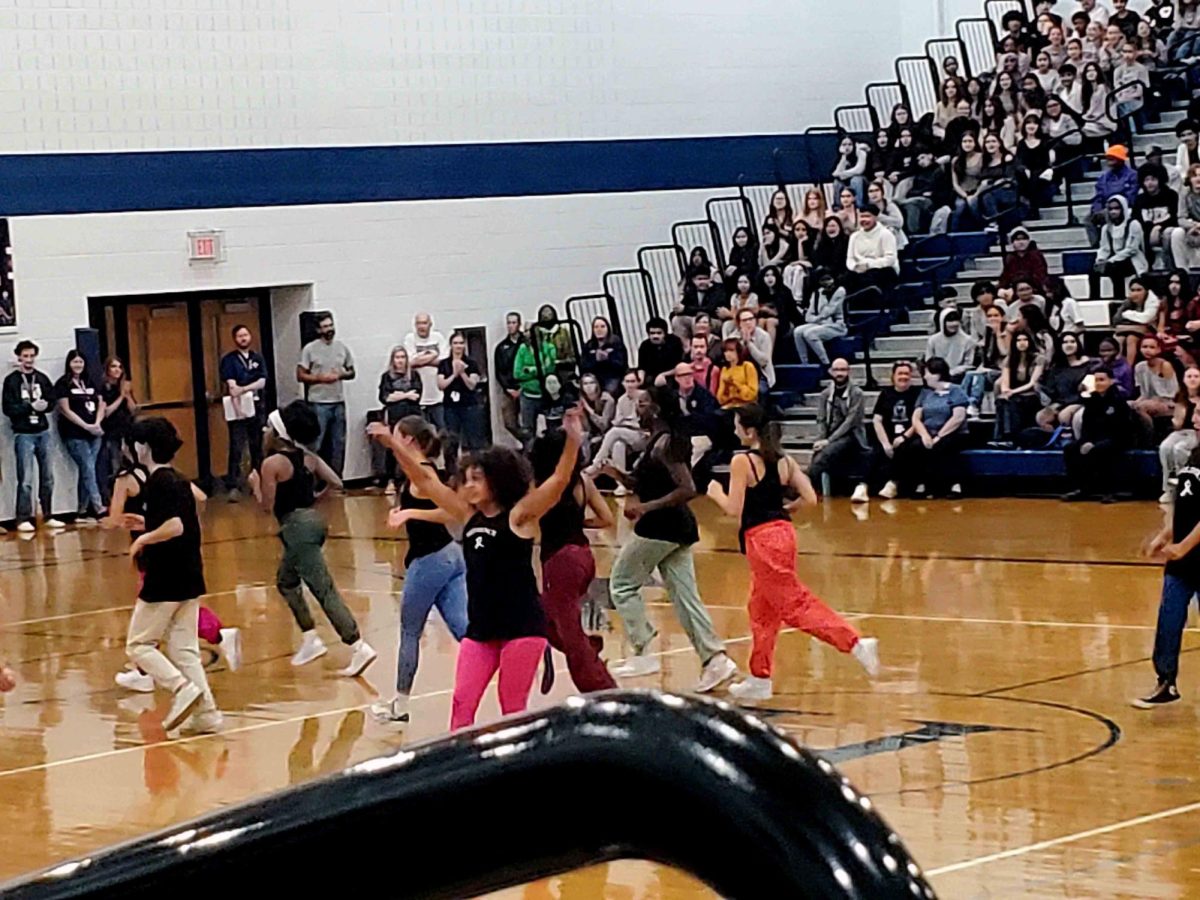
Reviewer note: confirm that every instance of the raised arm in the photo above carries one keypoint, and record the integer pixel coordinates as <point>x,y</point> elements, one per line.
<point>542,498</point>
<point>422,477</point>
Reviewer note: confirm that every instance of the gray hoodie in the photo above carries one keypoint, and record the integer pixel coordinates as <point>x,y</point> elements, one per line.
<point>1124,241</point>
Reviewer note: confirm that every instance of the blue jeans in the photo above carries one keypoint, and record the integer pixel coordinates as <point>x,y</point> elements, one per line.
<point>1172,618</point>
<point>976,384</point>
<point>332,419</point>
<point>85,452</point>
<point>30,447</point>
<point>439,579</point>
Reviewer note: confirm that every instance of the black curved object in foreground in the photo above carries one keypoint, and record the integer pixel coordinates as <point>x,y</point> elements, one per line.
<point>694,784</point>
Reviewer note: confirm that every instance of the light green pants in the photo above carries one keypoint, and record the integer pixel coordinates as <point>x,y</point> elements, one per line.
<point>637,559</point>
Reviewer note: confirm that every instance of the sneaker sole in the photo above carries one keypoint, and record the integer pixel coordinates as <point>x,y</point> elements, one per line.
<point>1145,704</point>
<point>716,684</point>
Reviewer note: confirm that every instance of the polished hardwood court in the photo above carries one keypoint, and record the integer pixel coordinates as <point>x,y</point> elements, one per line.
<point>998,741</point>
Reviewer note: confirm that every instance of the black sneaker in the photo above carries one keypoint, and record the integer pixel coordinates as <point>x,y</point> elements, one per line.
<point>1164,692</point>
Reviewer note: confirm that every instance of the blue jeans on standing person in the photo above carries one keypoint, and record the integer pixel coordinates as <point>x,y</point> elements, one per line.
<point>31,447</point>
<point>85,451</point>
<point>439,579</point>
<point>531,408</point>
<point>332,419</point>
<point>1177,596</point>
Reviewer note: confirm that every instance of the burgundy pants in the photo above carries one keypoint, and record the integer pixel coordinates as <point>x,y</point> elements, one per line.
<point>565,579</point>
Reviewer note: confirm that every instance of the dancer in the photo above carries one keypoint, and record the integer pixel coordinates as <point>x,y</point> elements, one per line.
<point>434,571</point>
<point>1178,544</point>
<point>506,628</point>
<point>759,477</point>
<point>286,488</point>
<point>127,510</point>
<point>663,535</point>
<point>168,605</point>
<point>568,565</point>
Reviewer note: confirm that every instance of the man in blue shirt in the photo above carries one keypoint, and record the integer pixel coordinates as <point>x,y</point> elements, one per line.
<point>244,373</point>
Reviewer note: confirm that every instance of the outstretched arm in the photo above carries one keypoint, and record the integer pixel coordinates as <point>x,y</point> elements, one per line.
<point>542,498</point>
<point>422,477</point>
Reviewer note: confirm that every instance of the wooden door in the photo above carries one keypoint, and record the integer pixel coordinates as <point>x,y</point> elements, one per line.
<point>160,366</point>
<point>217,320</point>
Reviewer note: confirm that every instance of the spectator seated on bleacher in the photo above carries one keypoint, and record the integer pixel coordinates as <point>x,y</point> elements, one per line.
<point>1130,78</point>
<point>599,409</point>
<point>890,216</point>
<point>777,309</point>
<point>743,257</point>
<point>1032,319</point>
<point>989,360</point>
<point>830,248</point>
<point>952,344</point>
<point>926,194</point>
<point>738,384</point>
<point>1024,295</point>
<point>850,171</point>
<point>1121,252</point>
<point>659,352</point>
<point>1062,312</point>
<point>1177,447</point>
<point>1157,386</point>
<point>1106,431</point>
<point>931,459</point>
<point>759,347</point>
<point>1026,262</point>
<point>847,210</point>
<point>872,257</point>
<point>795,273</point>
<point>1157,211</point>
<point>702,328</point>
<point>841,446</point>
<point>1117,180</point>
<point>625,433</point>
<point>891,422</point>
<point>976,319</point>
<point>1062,385</point>
<point>1185,240</point>
<point>702,294</point>
<point>1017,397</point>
<point>704,370</point>
<point>824,320</point>
<point>701,414</point>
<point>605,356</point>
<point>1187,153</point>
<point>743,298</point>
<point>965,172</point>
<point>1179,318</point>
<point>1136,318</point>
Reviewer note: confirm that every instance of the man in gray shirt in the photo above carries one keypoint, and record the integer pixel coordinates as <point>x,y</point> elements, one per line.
<point>841,449</point>
<point>324,365</point>
<point>953,345</point>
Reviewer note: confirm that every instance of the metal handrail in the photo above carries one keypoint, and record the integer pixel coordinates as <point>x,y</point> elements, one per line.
<point>1111,101</point>
<point>868,329</point>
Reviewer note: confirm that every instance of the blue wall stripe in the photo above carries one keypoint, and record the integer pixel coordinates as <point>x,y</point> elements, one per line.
<point>58,183</point>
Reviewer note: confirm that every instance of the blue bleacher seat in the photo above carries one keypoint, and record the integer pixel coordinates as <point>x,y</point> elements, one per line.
<point>1078,262</point>
<point>970,243</point>
<point>1017,465</point>
<point>798,378</point>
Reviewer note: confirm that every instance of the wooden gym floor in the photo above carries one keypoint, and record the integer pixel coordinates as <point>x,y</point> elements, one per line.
<point>999,741</point>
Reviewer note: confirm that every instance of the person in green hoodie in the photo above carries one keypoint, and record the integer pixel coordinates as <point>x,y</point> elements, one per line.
<point>530,374</point>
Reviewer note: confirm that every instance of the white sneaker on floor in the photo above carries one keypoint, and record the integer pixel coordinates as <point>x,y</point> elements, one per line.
<point>203,723</point>
<point>133,680</point>
<point>231,646</point>
<point>26,527</point>
<point>752,689</point>
<point>889,491</point>
<point>185,701</point>
<point>972,411</point>
<point>637,667</point>
<point>866,651</point>
<point>718,670</point>
<point>956,490</point>
<point>362,655</point>
<point>1166,498</point>
<point>392,712</point>
<point>312,647</point>
<point>920,492</point>
<point>860,494</point>
<point>55,523</point>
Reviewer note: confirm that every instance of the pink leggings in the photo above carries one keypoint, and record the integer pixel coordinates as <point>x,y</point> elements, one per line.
<point>478,661</point>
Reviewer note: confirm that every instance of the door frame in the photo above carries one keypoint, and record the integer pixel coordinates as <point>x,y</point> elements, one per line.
<point>119,304</point>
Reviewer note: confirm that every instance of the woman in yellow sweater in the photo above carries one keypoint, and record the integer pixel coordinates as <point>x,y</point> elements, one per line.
<point>739,379</point>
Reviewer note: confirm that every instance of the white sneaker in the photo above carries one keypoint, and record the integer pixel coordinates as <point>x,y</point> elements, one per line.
<point>393,712</point>
<point>55,523</point>
<point>752,689</point>
<point>866,651</point>
<point>920,490</point>
<point>972,411</point>
<point>956,490</point>
<point>637,667</point>
<point>231,646</point>
<point>133,680</point>
<point>209,722</point>
<point>390,489</point>
<point>718,670</point>
<point>312,647</point>
<point>26,527</point>
<point>185,701</point>
<point>889,491</point>
<point>362,655</point>
<point>1166,498</point>
<point>860,494</point>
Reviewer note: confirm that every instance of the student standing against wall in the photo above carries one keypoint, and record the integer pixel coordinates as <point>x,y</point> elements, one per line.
<point>244,372</point>
<point>27,396</point>
<point>324,364</point>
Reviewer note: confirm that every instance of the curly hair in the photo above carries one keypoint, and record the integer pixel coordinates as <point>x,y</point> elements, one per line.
<point>507,473</point>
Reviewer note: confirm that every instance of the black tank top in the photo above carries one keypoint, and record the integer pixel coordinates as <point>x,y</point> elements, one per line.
<point>297,492</point>
<point>137,505</point>
<point>502,594</point>
<point>563,524</point>
<point>653,481</point>
<point>424,538</point>
<point>764,499</point>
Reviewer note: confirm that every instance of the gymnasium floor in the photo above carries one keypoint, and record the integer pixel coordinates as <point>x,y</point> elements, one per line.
<point>999,741</point>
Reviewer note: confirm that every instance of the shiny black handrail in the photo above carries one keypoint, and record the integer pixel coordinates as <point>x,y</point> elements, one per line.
<point>680,781</point>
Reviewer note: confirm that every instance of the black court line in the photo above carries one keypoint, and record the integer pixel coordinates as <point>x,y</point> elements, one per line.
<point>1069,675</point>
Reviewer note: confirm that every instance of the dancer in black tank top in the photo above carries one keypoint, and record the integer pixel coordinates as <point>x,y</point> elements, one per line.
<point>762,482</point>
<point>506,628</point>
<point>663,535</point>
<point>127,510</point>
<point>568,566</point>
<point>287,488</point>
<point>435,573</point>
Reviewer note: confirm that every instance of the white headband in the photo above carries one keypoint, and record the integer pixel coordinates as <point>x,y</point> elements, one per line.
<point>275,420</point>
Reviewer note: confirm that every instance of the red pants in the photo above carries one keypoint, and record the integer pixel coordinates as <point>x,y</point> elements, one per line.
<point>778,598</point>
<point>517,661</point>
<point>565,579</point>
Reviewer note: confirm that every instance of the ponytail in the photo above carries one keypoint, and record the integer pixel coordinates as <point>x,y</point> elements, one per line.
<point>754,417</point>
<point>422,434</point>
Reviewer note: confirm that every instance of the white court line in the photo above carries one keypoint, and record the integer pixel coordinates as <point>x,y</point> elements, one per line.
<point>1034,623</point>
<point>1065,839</point>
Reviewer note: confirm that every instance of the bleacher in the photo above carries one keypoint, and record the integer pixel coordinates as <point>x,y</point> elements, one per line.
<point>956,260</point>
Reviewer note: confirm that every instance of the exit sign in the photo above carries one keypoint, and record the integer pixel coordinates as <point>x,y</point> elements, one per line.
<point>207,246</point>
